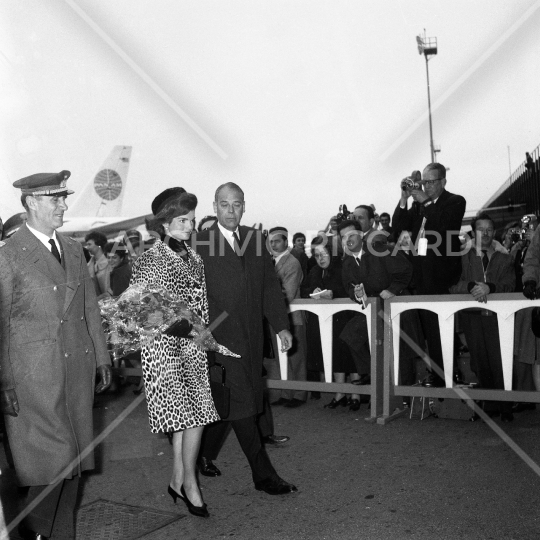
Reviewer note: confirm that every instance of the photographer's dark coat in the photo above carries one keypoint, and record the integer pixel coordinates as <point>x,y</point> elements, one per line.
<point>242,290</point>
<point>437,271</point>
<point>51,342</point>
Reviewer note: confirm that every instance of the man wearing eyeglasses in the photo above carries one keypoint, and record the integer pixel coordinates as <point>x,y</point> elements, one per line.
<point>437,214</point>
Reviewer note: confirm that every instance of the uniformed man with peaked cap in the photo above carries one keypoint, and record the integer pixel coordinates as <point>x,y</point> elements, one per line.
<point>51,343</point>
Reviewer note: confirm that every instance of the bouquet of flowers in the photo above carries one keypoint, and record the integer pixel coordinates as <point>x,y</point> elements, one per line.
<point>145,311</point>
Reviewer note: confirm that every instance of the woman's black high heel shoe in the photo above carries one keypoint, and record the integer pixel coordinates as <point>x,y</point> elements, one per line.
<point>334,403</point>
<point>199,511</point>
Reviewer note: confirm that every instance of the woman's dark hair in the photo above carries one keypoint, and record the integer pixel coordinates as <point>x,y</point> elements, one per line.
<point>326,242</point>
<point>99,238</point>
<point>175,206</point>
<point>298,235</point>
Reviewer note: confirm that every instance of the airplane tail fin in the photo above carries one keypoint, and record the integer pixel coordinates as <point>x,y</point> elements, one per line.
<point>104,195</point>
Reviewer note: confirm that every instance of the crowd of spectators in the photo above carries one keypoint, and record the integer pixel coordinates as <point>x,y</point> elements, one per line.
<point>362,253</point>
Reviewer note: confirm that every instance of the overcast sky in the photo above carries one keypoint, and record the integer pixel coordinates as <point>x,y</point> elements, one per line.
<point>304,104</point>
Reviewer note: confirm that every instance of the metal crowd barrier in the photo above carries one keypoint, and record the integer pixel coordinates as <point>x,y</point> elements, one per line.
<point>325,309</point>
<point>446,306</point>
<point>383,329</point>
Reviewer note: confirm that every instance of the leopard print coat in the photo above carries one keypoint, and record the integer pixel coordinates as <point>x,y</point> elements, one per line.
<point>175,370</point>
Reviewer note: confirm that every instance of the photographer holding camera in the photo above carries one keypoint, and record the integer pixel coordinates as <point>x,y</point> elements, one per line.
<point>435,215</point>
<point>521,238</point>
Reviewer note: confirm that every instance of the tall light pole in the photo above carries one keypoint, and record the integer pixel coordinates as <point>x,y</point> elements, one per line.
<point>428,47</point>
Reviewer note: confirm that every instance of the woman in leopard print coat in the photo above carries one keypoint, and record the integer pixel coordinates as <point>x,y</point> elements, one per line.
<point>175,370</point>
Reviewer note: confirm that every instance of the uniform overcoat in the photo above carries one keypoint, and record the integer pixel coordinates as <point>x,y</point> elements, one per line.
<point>241,292</point>
<point>51,342</point>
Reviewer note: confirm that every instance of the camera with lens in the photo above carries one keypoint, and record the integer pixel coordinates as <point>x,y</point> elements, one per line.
<point>343,214</point>
<point>527,221</point>
<point>412,181</point>
<point>516,234</point>
<point>527,224</point>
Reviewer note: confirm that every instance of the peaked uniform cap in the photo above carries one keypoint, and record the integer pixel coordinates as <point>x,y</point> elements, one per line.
<point>44,184</point>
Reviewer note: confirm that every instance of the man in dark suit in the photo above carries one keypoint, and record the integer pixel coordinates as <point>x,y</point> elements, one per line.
<point>242,289</point>
<point>435,214</point>
<point>370,268</point>
<point>51,342</point>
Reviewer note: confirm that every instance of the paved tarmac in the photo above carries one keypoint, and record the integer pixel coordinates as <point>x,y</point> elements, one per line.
<point>410,479</point>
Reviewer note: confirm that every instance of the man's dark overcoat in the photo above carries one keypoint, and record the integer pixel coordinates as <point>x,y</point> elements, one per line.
<point>437,271</point>
<point>244,290</point>
<point>378,270</point>
<point>51,341</point>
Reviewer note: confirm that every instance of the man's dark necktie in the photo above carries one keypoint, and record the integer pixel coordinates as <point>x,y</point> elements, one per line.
<point>485,260</point>
<point>236,242</point>
<point>54,251</point>
<point>357,261</point>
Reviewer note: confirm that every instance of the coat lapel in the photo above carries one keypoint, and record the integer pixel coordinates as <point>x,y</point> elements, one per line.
<point>72,264</point>
<point>224,250</point>
<point>31,253</point>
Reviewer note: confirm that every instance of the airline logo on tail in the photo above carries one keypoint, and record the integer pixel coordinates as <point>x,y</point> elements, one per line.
<point>108,184</point>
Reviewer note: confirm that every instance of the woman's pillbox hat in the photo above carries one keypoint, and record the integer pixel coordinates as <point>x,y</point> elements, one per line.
<point>44,184</point>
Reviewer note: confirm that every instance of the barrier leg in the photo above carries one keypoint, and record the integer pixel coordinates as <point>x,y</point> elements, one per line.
<point>375,332</point>
<point>326,328</point>
<point>396,325</point>
<point>447,343</point>
<point>506,333</point>
<point>390,412</point>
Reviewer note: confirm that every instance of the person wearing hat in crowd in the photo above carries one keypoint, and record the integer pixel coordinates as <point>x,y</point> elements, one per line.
<point>437,214</point>
<point>13,224</point>
<point>134,243</point>
<point>51,343</point>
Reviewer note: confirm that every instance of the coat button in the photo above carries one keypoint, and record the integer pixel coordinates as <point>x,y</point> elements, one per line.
<point>86,351</point>
<point>82,318</point>
<point>55,288</point>
<point>62,321</point>
<point>66,355</point>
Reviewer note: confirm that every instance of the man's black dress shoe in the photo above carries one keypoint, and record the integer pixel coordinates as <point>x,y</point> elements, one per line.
<point>275,486</point>
<point>27,534</point>
<point>355,405</point>
<point>280,401</point>
<point>520,407</point>
<point>433,381</point>
<point>207,468</point>
<point>364,379</point>
<point>275,439</point>
<point>334,403</point>
<point>294,403</point>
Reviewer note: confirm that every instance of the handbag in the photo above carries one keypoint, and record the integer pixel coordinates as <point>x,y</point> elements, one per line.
<point>221,394</point>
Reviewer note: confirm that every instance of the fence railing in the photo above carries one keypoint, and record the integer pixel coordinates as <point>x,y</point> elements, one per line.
<point>325,310</point>
<point>446,306</point>
<point>384,338</point>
